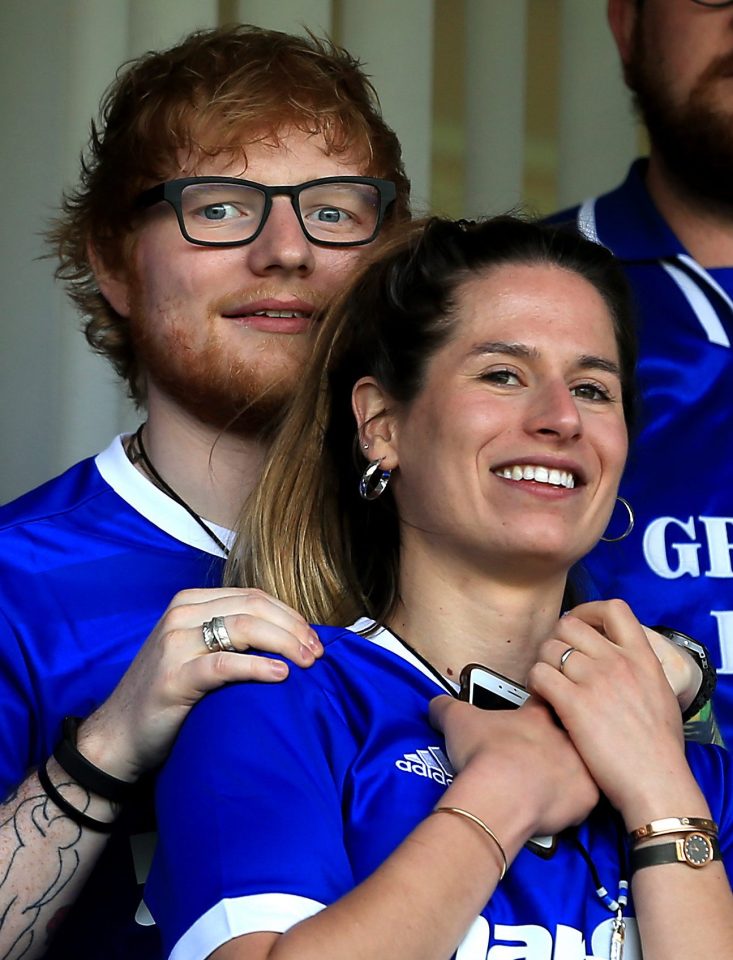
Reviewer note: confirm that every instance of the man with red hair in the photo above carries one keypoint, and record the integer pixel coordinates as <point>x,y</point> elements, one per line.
<point>232,185</point>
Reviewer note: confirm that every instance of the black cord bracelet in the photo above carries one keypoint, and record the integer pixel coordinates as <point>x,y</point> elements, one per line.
<point>85,773</point>
<point>100,826</point>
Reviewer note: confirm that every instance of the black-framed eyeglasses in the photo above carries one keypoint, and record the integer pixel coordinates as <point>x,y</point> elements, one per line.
<point>714,3</point>
<point>230,212</point>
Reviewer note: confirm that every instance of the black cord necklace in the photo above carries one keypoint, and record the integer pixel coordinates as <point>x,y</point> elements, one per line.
<point>137,451</point>
<point>426,663</point>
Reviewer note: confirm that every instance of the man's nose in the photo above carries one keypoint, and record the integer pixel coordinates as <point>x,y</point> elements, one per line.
<point>282,245</point>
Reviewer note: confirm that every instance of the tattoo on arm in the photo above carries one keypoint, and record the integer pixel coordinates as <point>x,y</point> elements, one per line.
<point>40,858</point>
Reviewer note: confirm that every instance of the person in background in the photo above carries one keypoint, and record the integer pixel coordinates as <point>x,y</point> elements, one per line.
<point>490,372</point>
<point>671,224</point>
<point>231,186</point>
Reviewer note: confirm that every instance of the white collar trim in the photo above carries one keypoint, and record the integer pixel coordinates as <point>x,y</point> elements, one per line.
<point>387,641</point>
<point>151,503</point>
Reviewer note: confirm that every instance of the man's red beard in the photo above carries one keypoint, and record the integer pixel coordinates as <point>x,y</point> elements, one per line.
<point>694,138</point>
<point>222,387</point>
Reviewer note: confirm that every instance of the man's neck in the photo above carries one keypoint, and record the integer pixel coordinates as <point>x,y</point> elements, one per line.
<point>211,470</point>
<point>704,228</point>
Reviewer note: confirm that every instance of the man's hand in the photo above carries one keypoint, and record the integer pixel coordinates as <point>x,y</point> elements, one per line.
<point>133,729</point>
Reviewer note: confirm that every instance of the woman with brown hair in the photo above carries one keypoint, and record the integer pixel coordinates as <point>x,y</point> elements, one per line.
<point>350,813</point>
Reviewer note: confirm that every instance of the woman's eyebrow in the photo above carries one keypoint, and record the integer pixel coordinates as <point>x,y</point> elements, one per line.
<point>503,346</point>
<point>590,362</point>
<point>513,349</point>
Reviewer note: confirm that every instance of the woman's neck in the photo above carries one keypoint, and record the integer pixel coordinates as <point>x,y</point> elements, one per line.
<point>452,618</point>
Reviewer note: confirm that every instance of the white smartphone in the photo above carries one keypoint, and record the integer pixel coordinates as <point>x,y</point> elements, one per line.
<point>490,690</point>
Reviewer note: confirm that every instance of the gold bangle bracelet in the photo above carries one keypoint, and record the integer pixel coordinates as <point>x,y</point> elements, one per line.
<point>660,828</point>
<point>457,811</point>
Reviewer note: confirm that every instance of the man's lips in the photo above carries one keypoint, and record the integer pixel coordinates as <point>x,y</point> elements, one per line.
<point>273,316</point>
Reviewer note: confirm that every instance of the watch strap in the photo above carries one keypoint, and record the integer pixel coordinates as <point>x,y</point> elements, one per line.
<point>700,655</point>
<point>696,850</point>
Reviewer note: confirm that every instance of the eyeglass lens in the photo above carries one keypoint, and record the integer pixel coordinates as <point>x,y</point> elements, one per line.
<point>231,212</point>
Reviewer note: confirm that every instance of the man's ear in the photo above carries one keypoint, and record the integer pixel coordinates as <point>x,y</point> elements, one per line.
<point>623,17</point>
<point>114,285</point>
<point>376,422</point>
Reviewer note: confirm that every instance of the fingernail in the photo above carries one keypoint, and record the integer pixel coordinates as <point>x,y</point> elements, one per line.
<point>313,642</point>
<point>306,652</point>
<point>278,668</point>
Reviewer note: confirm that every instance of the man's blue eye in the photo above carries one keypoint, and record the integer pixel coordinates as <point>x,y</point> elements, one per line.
<point>330,215</point>
<point>216,211</point>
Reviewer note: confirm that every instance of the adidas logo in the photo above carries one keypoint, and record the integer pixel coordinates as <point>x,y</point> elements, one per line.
<point>431,763</point>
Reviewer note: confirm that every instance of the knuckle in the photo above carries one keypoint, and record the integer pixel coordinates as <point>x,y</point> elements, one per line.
<point>218,666</point>
<point>618,607</point>
<point>173,638</point>
<point>240,625</point>
<point>177,617</point>
<point>183,597</point>
<point>254,595</point>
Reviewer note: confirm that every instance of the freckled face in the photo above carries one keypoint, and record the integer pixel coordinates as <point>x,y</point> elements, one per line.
<point>513,450</point>
<point>220,328</point>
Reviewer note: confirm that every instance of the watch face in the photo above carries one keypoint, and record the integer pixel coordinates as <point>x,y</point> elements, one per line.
<point>697,850</point>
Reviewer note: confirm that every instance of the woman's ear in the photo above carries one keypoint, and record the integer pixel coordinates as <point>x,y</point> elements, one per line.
<point>376,422</point>
<point>114,285</point>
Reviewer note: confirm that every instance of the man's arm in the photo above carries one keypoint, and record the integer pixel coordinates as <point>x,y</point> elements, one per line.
<point>45,859</point>
<point>46,856</point>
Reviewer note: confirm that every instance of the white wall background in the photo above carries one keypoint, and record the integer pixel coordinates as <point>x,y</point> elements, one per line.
<point>58,402</point>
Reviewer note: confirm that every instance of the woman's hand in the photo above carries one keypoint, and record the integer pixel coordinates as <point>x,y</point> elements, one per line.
<point>683,674</point>
<point>133,729</point>
<point>613,698</point>
<point>521,757</point>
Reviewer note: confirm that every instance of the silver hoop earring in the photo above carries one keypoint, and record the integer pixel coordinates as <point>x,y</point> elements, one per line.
<point>629,527</point>
<point>377,488</point>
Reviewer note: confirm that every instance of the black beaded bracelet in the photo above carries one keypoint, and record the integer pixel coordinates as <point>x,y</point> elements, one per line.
<point>83,819</point>
<point>85,773</point>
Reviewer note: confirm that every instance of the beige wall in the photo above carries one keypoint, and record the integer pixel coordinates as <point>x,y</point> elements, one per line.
<point>497,103</point>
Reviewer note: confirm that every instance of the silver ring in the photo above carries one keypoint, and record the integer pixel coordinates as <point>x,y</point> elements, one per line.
<point>565,657</point>
<point>221,635</point>
<point>210,638</point>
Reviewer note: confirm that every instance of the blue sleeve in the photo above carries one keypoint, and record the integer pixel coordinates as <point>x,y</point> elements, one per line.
<point>249,814</point>
<point>713,769</point>
<point>17,708</point>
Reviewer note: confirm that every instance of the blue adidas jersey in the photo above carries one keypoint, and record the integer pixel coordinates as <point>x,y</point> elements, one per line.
<point>676,567</point>
<point>278,800</point>
<point>88,563</point>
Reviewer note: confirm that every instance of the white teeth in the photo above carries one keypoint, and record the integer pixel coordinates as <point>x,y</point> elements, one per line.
<point>285,314</point>
<point>556,478</point>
